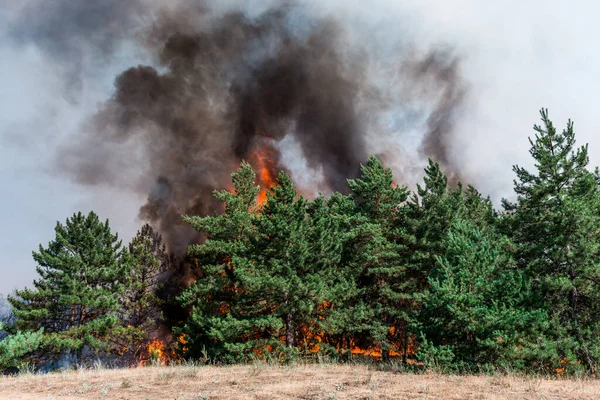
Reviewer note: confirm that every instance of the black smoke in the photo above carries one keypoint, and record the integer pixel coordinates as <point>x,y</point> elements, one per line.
<point>223,83</point>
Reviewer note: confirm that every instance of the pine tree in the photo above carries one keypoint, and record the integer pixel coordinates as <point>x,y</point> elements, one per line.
<point>147,262</point>
<point>76,298</point>
<point>372,262</point>
<point>554,223</point>
<point>479,210</point>
<point>346,318</point>
<point>476,304</point>
<point>14,349</point>
<point>264,273</point>
<point>432,210</point>
<point>320,331</point>
<point>221,316</point>
<point>282,270</point>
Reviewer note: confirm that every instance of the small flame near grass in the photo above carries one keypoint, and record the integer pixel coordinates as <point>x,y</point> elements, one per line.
<point>156,354</point>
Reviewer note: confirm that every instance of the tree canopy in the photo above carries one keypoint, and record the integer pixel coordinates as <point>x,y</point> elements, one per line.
<point>435,276</point>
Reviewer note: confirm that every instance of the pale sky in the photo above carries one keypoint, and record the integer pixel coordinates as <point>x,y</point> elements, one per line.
<point>517,57</point>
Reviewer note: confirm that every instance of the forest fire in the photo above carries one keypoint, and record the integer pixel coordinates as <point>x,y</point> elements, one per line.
<point>183,341</point>
<point>156,353</point>
<point>314,340</point>
<point>263,160</point>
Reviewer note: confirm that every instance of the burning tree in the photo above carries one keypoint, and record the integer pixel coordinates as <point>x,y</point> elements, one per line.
<point>219,288</point>
<point>148,261</point>
<point>262,276</point>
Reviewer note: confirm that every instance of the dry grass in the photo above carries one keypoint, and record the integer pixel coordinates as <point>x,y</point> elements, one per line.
<point>272,382</point>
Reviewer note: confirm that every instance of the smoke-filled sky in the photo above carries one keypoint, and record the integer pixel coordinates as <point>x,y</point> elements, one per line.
<point>113,105</point>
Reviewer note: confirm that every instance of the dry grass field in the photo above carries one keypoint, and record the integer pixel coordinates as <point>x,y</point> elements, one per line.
<point>272,382</point>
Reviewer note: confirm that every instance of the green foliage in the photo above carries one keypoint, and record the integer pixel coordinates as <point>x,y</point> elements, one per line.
<point>476,304</point>
<point>77,294</point>
<point>223,313</point>
<point>372,294</point>
<point>15,348</point>
<point>147,261</point>
<point>554,225</point>
<point>263,272</point>
<point>437,358</point>
<point>437,276</point>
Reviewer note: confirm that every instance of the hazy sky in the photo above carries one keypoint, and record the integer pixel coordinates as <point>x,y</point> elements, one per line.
<point>517,57</point>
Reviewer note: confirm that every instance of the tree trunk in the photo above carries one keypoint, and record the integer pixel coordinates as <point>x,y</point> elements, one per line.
<point>574,321</point>
<point>405,350</point>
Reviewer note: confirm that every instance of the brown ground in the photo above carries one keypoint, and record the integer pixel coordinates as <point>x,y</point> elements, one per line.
<point>270,382</point>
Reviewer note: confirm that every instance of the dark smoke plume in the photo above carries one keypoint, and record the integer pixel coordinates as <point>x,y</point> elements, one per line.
<point>225,86</point>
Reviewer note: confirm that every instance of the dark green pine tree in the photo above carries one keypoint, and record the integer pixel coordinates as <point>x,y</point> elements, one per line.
<point>141,316</point>
<point>76,298</point>
<point>223,314</point>
<point>264,273</point>
<point>377,295</point>
<point>432,210</point>
<point>475,313</point>
<point>325,238</point>
<point>346,318</point>
<point>479,210</point>
<point>148,261</point>
<point>554,224</point>
<point>285,270</point>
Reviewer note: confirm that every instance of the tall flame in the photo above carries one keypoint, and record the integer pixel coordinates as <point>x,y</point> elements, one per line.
<point>264,161</point>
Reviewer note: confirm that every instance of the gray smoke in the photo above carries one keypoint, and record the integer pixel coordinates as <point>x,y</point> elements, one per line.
<point>227,82</point>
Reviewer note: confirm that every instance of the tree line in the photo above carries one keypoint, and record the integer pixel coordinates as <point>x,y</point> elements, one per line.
<point>433,277</point>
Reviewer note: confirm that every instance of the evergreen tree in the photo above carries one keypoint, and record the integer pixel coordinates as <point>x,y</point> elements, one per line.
<point>324,234</point>
<point>76,297</point>
<point>147,261</point>
<point>221,309</point>
<point>345,319</point>
<point>432,210</point>
<point>370,310</point>
<point>263,272</point>
<point>476,305</point>
<point>479,210</point>
<point>282,271</point>
<point>15,348</point>
<point>554,223</point>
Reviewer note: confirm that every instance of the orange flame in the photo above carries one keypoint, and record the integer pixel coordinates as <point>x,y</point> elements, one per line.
<point>312,340</point>
<point>156,351</point>
<point>264,162</point>
<point>183,342</point>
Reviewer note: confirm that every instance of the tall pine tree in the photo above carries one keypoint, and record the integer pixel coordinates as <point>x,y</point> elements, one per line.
<point>554,223</point>
<point>371,312</point>
<point>76,297</point>
<point>264,273</point>
<point>141,316</point>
